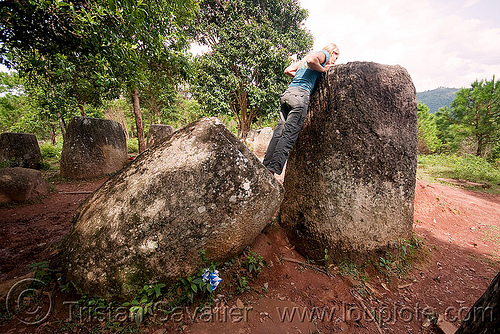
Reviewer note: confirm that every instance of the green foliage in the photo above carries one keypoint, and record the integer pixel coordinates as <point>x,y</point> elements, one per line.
<point>229,122</point>
<point>10,83</point>
<point>7,164</point>
<point>242,285</point>
<point>437,98</point>
<point>10,111</point>
<point>181,111</point>
<point>12,101</point>
<point>238,274</point>
<point>438,165</point>
<point>476,169</point>
<point>251,42</point>
<point>153,298</point>
<point>203,256</point>
<point>400,258</point>
<point>469,167</point>
<point>428,141</point>
<point>46,26</point>
<point>91,305</point>
<point>473,116</point>
<point>187,289</point>
<point>450,133</point>
<point>241,271</point>
<point>142,304</point>
<point>254,262</point>
<point>51,152</point>
<point>132,146</point>
<point>89,53</point>
<point>51,155</point>
<point>194,285</point>
<point>20,112</point>
<point>327,260</point>
<point>33,120</point>
<point>42,272</point>
<point>348,268</point>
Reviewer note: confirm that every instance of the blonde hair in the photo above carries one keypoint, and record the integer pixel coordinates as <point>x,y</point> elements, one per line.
<point>332,48</point>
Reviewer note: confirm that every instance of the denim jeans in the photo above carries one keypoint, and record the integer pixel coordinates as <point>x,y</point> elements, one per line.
<point>294,104</point>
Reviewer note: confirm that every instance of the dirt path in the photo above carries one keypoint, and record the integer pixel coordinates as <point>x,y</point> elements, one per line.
<point>460,230</point>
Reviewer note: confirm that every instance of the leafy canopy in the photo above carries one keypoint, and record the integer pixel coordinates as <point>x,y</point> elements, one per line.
<point>477,111</point>
<point>428,141</point>
<point>251,42</point>
<point>80,52</point>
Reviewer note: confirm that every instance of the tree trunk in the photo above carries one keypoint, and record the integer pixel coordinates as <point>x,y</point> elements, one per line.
<point>138,120</point>
<point>484,317</point>
<point>243,115</point>
<point>62,125</point>
<point>244,129</point>
<point>478,135</point>
<point>82,111</point>
<point>52,133</point>
<point>479,150</point>
<point>156,109</point>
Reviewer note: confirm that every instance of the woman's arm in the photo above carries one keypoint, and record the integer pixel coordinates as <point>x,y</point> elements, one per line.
<point>315,60</point>
<point>292,69</point>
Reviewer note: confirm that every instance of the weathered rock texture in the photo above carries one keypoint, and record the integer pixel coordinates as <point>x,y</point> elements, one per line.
<point>260,142</point>
<point>92,147</point>
<point>21,184</point>
<point>350,179</point>
<point>484,316</point>
<point>19,150</point>
<point>201,189</point>
<point>158,133</point>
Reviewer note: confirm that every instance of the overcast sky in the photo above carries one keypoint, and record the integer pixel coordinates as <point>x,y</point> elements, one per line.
<point>442,43</point>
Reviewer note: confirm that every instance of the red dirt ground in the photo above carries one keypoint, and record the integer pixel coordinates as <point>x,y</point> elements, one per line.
<point>460,230</point>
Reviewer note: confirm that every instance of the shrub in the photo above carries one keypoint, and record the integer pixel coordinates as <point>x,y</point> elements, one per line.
<point>468,167</point>
<point>132,145</point>
<point>476,169</point>
<point>51,152</point>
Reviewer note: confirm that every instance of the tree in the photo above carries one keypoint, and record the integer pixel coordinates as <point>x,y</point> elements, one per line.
<point>477,111</point>
<point>10,100</point>
<point>251,42</point>
<point>141,40</point>
<point>40,39</point>
<point>428,141</point>
<point>37,25</point>
<point>19,112</point>
<point>90,49</point>
<point>448,132</point>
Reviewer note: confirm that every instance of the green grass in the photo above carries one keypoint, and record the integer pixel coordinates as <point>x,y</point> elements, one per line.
<point>51,154</point>
<point>468,167</point>
<point>492,233</point>
<point>400,259</point>
<point>132,146</point>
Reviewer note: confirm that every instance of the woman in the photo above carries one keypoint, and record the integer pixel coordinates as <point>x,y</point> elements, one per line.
<point>294,103</point>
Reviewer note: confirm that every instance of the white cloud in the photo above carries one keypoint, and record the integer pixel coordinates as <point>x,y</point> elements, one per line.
<point>470,3</point>
<point>429,38</point>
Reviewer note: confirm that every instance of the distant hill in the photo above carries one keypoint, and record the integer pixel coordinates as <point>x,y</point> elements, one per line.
<point>437,98</point>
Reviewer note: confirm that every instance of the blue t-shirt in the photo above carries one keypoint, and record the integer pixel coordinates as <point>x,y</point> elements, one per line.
<point>305,77</point>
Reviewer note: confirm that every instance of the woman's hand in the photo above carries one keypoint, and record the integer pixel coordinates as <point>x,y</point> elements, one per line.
<point>327,67</point>
<point>292,69</point>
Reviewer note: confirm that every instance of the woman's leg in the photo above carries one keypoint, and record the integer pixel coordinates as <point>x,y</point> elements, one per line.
<point>296,102</point>
<point>278,130</point>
